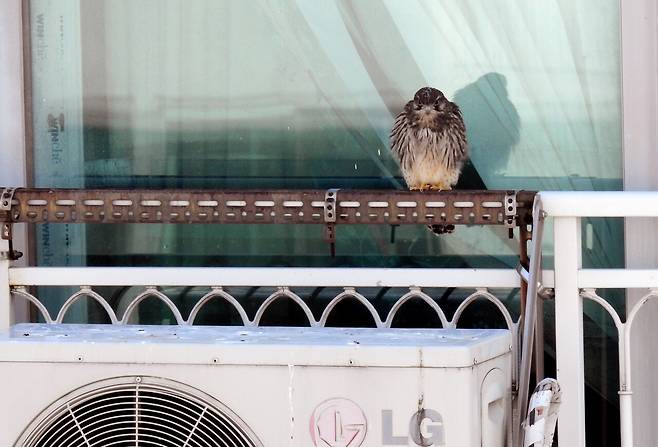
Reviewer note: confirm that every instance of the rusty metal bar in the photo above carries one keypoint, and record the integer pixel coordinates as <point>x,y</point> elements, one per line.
<point>40,205</point>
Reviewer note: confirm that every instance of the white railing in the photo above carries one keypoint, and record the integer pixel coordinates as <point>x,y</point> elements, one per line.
<point>285,283</point>
<point>282,280</point>
<point>572,284</point>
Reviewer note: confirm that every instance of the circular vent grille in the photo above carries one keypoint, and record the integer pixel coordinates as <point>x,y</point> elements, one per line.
<point>139,411</point>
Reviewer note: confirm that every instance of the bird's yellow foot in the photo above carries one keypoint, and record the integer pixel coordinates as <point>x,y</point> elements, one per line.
<point>438,187</point>
<point>425,187</point>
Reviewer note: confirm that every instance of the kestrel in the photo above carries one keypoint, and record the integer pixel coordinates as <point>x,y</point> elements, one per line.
<point>428,141</point>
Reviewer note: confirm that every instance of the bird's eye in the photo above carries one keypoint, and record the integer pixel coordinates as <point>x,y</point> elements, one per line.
<point>418,107</point>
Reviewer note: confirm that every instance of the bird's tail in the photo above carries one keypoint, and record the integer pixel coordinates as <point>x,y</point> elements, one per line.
<point>439,229</point>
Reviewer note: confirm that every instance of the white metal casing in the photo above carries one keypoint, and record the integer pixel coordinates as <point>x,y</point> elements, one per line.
<point>275,378</point>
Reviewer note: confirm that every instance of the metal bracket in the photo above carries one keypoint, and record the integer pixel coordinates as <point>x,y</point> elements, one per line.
<point>510,212</point>
<point>6,201</point>
<point>330,212</point>
<point>330,205</point>
<point>11,254</point>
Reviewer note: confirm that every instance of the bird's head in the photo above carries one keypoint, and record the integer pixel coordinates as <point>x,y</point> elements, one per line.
<point>428,108</point>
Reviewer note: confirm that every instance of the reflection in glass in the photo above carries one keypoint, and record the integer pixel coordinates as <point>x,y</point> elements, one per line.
<point>301,94</point>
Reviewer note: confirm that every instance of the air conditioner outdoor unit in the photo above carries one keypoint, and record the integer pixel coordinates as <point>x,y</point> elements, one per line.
<point>186,386</point>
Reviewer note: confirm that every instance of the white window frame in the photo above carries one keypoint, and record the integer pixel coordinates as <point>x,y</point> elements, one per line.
<point>12,107</point>
<point>13,132</point>
<point>639,57</point>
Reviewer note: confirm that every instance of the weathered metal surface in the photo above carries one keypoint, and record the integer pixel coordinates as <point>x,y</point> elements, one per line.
<point>260,207</point>
<point>6,229</point>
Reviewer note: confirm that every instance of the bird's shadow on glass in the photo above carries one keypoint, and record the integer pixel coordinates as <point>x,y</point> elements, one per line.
<point>493,128</point>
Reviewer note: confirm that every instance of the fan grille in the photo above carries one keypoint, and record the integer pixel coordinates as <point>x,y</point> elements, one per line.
<point>141,412</point>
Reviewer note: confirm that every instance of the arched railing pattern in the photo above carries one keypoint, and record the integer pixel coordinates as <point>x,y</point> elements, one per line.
<point>218,292</point>
<point>152,292</point>
<point>281,293</point>
<point>21,292</point>
<point>86,292</point>
<point>624,330</point>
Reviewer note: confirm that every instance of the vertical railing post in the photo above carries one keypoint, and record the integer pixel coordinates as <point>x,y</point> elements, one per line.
<point>569,331</point>
<point>5,296</point>
<point>625,390</point>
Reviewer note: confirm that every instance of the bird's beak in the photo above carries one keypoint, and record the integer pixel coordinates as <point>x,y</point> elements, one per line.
<point>427,110</point>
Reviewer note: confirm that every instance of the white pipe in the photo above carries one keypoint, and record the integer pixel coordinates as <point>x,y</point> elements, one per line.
<point>617,278</point>
<point>626,415</point>
<point>253,276</point>
<point>600,203</point>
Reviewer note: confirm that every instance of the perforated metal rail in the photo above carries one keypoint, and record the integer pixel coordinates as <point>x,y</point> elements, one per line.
<point>333,206</point>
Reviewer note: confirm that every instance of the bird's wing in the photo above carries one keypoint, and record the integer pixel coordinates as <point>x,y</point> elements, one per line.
<point>459,134</point>
<point>400,142</point>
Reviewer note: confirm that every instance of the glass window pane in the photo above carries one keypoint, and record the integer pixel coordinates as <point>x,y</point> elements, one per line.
<point>302,94</point>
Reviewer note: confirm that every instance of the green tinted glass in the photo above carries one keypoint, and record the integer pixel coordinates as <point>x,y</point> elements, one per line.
<point>302,94</point>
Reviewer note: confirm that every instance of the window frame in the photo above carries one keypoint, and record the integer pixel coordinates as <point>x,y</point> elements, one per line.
<point>639,69</point>
<point>15,140</point>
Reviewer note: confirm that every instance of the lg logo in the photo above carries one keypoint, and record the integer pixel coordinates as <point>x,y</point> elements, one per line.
<point>338,423</point>
<point>342,423</point>
<point>425,429</point>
